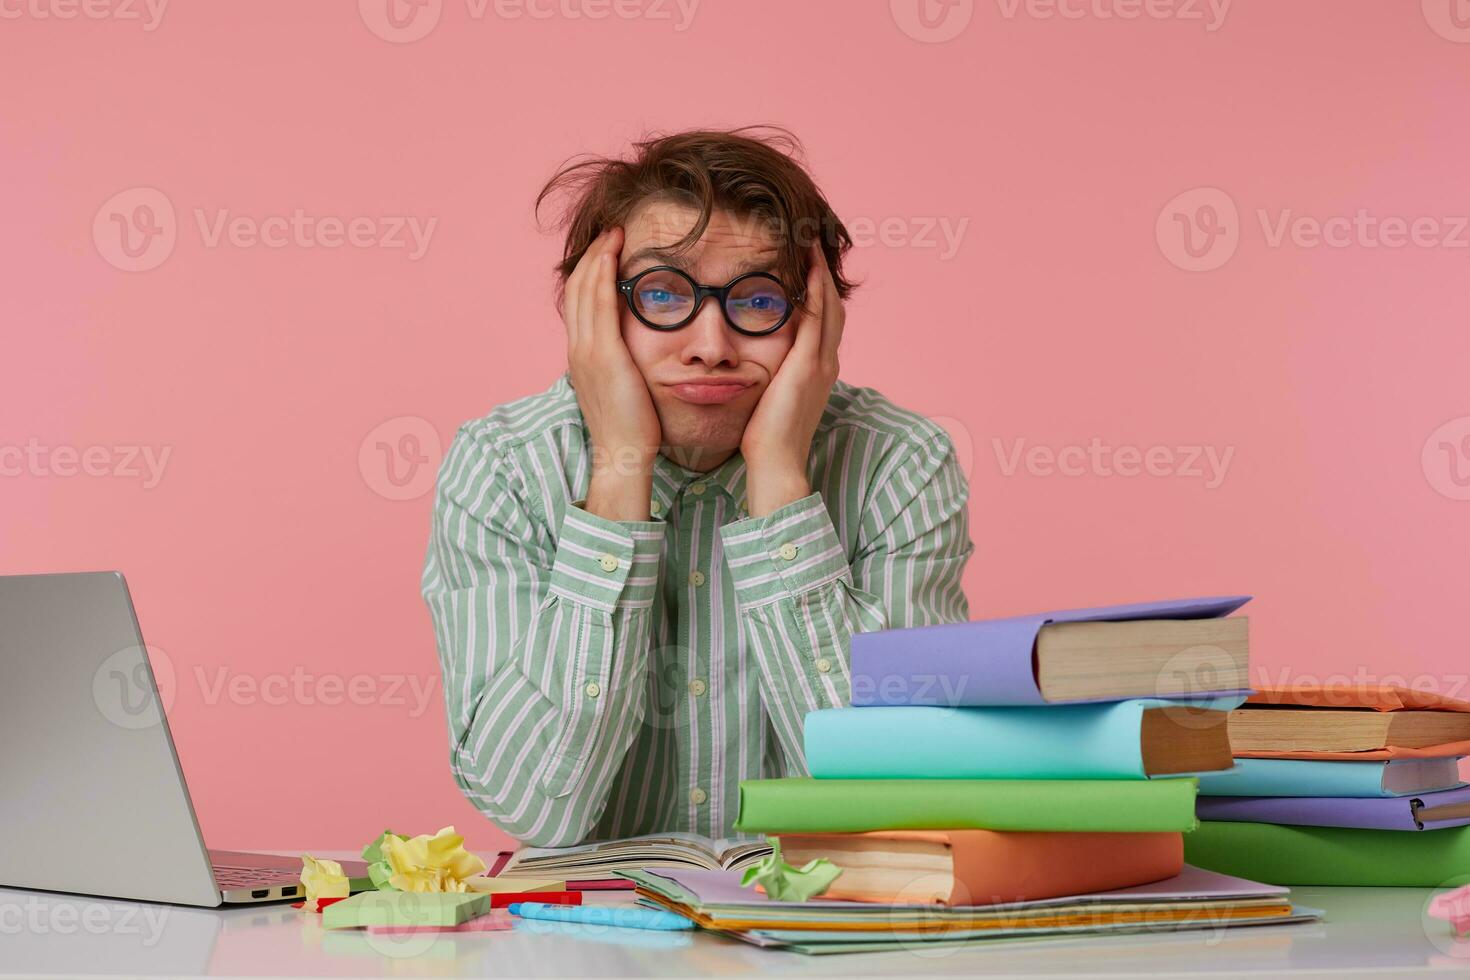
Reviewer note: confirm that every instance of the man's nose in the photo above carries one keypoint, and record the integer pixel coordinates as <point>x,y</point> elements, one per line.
<point>707,338</point>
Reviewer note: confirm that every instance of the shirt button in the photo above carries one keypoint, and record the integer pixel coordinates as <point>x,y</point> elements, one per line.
<point>824,665</point>
<point>593,689</point>
<point>697,687</point>
<point>696,578</point>
<point>697,489</point>
<point>788,551</point>
<point>697,796</point>
<point>656,507</point>
<point>609,563</point>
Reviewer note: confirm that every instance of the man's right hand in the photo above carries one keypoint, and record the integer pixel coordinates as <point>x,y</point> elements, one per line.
<point>621,422</point>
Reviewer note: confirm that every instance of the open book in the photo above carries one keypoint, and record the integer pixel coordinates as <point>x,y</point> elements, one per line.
<point>601,858</point>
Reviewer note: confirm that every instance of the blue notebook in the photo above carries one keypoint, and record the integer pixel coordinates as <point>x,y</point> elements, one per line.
<point>1079,741</point>
<point>1312,777</point>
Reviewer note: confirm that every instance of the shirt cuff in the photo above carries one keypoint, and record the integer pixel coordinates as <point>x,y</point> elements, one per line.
<point>790,551</point>
<point>606,563</point>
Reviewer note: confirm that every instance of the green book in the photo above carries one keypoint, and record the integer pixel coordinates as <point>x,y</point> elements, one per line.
<point>795,805</point>
<point>1288,855</point>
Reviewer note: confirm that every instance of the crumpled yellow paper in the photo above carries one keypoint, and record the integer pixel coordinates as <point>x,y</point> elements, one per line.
<point>784,883</point>
<point>322,879</point>
<point>430,864</point>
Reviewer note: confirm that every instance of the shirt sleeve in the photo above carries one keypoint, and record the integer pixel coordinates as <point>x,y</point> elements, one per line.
<point>801,595</point>
<point>543,644</point>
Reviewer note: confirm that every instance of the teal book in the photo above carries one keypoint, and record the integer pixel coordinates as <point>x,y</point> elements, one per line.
<point>1319,778</point>
<point>1113,740</point>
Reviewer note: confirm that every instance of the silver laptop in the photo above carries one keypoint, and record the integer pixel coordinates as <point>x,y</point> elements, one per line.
<point>92,799</point>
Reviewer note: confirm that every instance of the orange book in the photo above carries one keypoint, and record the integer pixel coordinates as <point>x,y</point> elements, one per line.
<point>1393,700</point>
<point>985,867</point>
<point>1380,697</point>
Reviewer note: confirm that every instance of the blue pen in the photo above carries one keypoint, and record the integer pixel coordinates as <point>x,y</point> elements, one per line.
<point>620,916</point>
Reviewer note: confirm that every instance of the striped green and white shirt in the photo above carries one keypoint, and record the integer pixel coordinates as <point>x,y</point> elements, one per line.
<point>613,678</point>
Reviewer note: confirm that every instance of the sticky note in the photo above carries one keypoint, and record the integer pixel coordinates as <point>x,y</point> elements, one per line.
<point>496,921</point>
<point>414,909</point>
<point>492,886</point>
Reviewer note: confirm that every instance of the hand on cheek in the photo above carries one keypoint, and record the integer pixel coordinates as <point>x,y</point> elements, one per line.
<point>778,439</point>
<point>621,422</point>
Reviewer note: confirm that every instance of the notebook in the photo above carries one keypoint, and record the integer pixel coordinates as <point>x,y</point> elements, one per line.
<point>1448,808</point>
<point>1193,899</point>
<point>601,859</point>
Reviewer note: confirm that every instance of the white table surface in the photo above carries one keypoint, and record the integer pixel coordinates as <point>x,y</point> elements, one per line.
<point>1366,932</point>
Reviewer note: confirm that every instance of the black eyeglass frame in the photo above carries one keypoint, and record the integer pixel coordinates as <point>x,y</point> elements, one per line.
<point>701,293</point>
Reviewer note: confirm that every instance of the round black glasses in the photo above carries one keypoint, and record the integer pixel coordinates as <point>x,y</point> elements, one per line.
<point>665,298</point>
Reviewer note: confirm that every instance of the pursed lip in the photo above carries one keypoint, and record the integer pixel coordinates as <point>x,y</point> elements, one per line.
<point>709,391</point>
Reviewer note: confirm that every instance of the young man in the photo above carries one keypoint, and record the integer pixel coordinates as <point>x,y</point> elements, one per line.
<point>643,578</point>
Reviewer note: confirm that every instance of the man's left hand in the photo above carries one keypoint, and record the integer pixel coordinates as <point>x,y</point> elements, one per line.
<point>778,438</point>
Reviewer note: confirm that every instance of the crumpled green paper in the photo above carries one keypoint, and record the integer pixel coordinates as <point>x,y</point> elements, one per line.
<point>784,883</point>
<point>379,870</point>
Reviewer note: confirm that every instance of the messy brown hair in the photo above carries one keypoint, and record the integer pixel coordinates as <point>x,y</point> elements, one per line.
<point>753,172</point>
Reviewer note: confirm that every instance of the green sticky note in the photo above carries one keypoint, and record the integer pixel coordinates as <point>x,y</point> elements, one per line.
<point>784,883</point>
<point>405,909</point>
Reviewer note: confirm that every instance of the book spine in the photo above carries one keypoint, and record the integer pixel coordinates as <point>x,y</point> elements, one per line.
<point>1295,777</point>
<point>1065,742</point>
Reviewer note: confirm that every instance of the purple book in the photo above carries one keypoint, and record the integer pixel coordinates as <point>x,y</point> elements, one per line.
<point>989,662</point>
<point>1427,811</point>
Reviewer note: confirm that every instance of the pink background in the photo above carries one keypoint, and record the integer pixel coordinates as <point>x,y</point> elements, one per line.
<point>270,544</point>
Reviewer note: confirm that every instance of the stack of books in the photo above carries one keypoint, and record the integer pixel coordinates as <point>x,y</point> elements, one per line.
<point>1340,786</point>
<point>986,767</point>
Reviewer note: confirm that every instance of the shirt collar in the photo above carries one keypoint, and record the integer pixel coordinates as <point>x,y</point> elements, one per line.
<point>670,479</point>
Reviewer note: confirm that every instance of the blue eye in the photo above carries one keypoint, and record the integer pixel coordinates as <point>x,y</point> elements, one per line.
<point>652,298</point>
